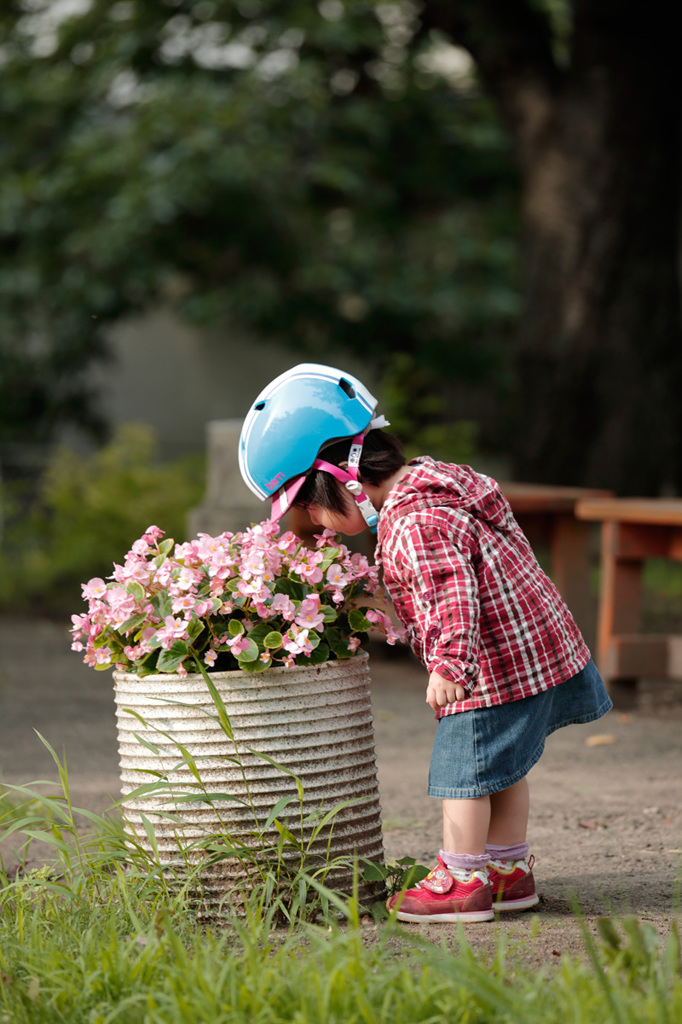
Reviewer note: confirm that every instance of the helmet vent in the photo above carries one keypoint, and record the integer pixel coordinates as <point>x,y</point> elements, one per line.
<point>346,386</point>
<point>261,405</point>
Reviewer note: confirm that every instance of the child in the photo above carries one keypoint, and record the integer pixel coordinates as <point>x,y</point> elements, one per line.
<point>506,663</point>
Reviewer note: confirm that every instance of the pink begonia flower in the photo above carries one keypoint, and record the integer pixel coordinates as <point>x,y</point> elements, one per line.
<point>283,604</point>
<point>265,658</point>
<point>103,655</point>
<point>297,641</point>
<point>202,608</point>
<point>252,566</point>
<point>171,630</point>
<point>184,602</point>
<point>153,532</point>
<point>77,646</point>
<point>288,543</point>
<point>141,546</point>
<point>181,670</point>
<point>210,658</point>
<point>323,537</point>
<point>310,573</point>
<point>353,643</point>
<point>146,638</point>
<point>255,589</point>
<point>186,579</point>
<point>336,575</point>
<point>392,632</point>
<point>163,576</point>
<point>309,614</point>
<point>289,661</point>
<point>237,644</point>
<point>94,588</point>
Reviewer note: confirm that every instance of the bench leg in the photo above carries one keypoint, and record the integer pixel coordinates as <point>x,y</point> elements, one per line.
<point>619,611</point>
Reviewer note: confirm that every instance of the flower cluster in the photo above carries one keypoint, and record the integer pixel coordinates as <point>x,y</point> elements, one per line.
<point>246,600</point>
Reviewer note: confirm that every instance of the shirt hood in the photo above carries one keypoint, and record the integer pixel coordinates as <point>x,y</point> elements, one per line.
<point>430,484</point>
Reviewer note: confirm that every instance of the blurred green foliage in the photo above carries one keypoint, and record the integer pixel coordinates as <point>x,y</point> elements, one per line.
<point>419,415</point>
<point>317,173</point>
<point>88,512</point>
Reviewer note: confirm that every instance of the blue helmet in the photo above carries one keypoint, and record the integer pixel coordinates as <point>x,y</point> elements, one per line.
<point>291,420</point>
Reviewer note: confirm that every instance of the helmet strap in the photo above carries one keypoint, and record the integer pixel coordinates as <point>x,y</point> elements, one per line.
<point>349,478</point>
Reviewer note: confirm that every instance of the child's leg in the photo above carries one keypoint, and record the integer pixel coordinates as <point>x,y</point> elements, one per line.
<point>500,819</point>
<point>510,870</point>
<point>509,815</point>
<point>466,824</point>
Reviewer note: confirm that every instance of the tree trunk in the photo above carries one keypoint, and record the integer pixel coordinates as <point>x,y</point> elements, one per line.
<point>599,357</point>
<point>599,369</point>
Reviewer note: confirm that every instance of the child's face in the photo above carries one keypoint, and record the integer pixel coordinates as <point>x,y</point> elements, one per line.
<point>350,522</point>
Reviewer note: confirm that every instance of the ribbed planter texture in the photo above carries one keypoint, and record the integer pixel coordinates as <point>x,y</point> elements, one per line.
<point>315,721</point>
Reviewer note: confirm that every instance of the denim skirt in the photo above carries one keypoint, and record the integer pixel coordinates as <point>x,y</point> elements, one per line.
<point>479,752</point>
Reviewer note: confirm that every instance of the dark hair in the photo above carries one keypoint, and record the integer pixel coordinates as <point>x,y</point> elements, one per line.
<point>382,456</point>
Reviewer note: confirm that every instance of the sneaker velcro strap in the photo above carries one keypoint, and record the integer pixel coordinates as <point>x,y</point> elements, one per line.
<point>439,880</point>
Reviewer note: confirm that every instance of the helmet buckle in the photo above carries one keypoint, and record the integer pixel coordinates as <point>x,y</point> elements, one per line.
<point>354,486</point>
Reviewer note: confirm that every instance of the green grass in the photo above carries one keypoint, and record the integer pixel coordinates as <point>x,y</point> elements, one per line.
<point>105,934</point>
<point>107,955</point>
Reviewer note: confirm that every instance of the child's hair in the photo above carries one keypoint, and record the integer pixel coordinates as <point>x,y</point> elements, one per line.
<point>382,456</point>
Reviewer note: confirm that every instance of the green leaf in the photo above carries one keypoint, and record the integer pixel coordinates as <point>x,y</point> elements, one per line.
<point>195,628</point>
<point>145,743</point>
<point>358,622</point>
<point>162,605</point>
<point>251,653</point>
<point>319,654</point>
<point>259,633</point>
<point>255,666</point>
<point>273,639</point>
<point>329,613</point>
<point>338,643</point>
<point>223,716</point>
<point>136,589</point>
<point>292,588</point>
<point>166,545</point>
<point>374,872</point>
<point>169,660</point>
<point>133,622</point>
<point>235,627</point>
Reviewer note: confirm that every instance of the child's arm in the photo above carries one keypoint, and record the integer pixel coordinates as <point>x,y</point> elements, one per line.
<point>441,691</point>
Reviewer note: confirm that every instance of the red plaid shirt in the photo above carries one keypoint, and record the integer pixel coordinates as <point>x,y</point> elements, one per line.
<point>465,583</point>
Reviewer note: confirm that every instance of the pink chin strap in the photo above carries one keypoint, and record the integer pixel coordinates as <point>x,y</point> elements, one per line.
<point>349,478</point>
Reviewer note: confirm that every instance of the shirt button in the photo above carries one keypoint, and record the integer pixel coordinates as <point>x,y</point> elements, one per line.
<point>433,632</point>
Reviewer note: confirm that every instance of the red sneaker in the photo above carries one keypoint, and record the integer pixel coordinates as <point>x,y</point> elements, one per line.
<point>512,884</point>
<point>443,897</point>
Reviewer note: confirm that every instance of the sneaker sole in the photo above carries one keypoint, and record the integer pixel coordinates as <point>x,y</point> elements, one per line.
<point>465,916</point>
<point>525,903</point>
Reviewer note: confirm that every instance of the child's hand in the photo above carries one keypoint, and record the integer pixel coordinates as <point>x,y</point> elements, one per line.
<point>441,691</point>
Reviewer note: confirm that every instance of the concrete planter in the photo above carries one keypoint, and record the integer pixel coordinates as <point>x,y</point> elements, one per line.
<point>315,721</point>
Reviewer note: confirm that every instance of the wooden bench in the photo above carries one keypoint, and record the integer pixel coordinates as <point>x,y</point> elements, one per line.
<point>632,530</point>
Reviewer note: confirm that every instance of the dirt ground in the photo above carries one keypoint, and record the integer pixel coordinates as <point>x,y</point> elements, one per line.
<point>606,813</point>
